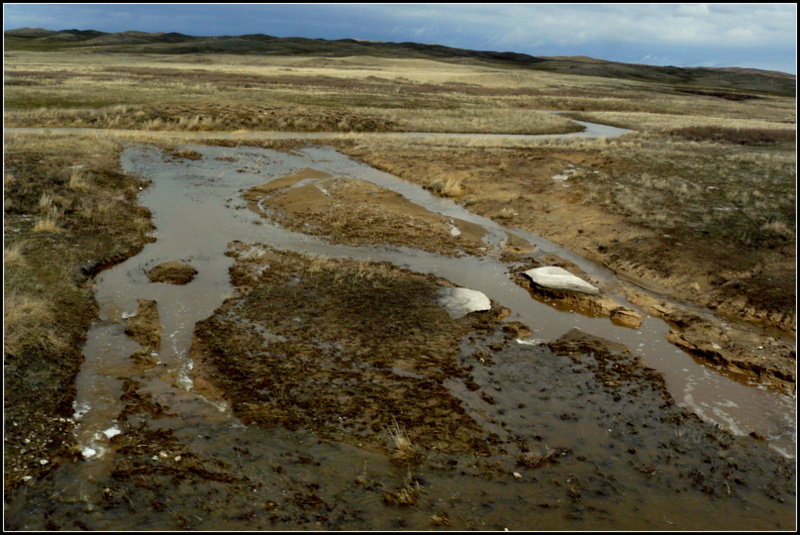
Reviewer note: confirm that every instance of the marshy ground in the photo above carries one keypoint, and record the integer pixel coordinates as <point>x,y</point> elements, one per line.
<point>355,401</point>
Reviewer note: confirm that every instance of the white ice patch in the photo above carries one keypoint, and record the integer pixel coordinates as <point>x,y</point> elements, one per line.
<point>530,341</point>
<point>461,301</point>
<point>112,432</point>
<point>560,279</point>
<point>79,410</point>
<point>184,378</point>
<point>253,253</point>
<point>565,175</point>
<point>322,189</point>
<point>454,230</point>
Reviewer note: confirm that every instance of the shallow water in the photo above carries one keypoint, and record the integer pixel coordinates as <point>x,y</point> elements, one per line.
<point>591,130</point>
<point>197,211</point>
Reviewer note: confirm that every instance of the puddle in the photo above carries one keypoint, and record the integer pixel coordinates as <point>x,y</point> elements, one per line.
<point>197,210</point>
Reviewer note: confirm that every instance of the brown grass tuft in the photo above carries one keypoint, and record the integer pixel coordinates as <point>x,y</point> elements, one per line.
<point>47,224</point>
<point>448,187</point>
<point>26,320</point>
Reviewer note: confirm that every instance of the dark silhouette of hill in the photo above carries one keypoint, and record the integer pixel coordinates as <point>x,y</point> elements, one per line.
<point>721,80</point>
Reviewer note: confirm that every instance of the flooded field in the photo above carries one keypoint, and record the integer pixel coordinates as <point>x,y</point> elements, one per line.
<point>308,378</point>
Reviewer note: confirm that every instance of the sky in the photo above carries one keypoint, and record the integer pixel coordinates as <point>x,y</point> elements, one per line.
<point>762,36</point>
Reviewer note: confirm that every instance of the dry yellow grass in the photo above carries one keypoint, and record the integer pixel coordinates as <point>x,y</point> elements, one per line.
<point>216,92</point>
<point>452,187</point>
<point>400,439</point>
<point>27,321</point>
<point>47,225</point>
<point>78,181</point>
<point>13,256</point>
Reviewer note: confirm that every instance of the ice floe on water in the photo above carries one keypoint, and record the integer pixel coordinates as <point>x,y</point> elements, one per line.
<point>560,279</point>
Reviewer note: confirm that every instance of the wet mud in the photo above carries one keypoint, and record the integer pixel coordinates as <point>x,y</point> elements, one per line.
<point>172,272</point>
<point>360,415</point>
<point>297,383</point>
<point>354,212</point>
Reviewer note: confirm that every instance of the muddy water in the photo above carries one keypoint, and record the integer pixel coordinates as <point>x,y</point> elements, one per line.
<point>197,210</point>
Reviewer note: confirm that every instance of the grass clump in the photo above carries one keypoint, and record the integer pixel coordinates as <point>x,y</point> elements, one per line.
<point>452,187</point>
<point>28,322</point>
<point>404,452</point>
<point>406,495</point>
<point>47,225</point>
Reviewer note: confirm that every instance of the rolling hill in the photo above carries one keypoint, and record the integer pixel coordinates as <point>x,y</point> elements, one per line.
<point>721,79</point>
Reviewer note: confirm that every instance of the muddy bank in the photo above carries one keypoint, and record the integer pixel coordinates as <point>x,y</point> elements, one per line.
<point>552,192</point>
<point>354,212</point>
<point>68,212</point>
<point>172,272</point>
<point>594,305</point>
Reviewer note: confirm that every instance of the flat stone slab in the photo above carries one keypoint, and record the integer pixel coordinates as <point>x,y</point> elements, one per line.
<point>461,301</point>
<point>558,278</point>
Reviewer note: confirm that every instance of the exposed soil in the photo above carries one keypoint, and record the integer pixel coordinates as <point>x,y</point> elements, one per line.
<point>145,326</point>
<point>172,273</point>
<point>354,212</point>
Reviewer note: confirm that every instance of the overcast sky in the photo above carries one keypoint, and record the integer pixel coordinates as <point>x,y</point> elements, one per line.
<point>715,35</point>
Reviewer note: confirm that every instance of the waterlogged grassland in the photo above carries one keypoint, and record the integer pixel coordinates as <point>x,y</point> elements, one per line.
<point>710,221</point>
<point>698,202</point>
<point>68,211</point>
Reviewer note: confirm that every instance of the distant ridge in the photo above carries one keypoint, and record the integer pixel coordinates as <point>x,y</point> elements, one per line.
<point>725,78</point>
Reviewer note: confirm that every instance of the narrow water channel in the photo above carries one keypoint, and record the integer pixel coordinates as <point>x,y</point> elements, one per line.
<point>197,210</point>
